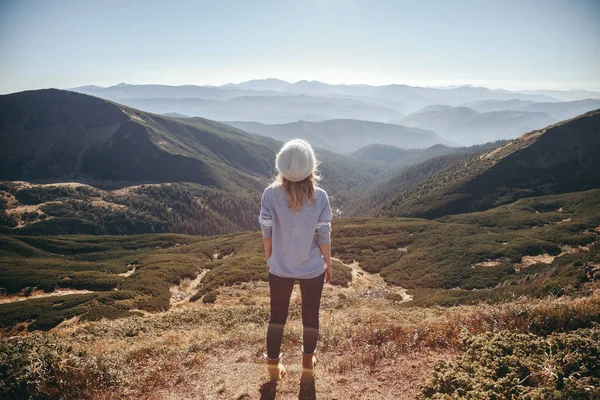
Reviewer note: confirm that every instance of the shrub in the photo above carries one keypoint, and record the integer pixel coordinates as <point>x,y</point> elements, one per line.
<point>41,367</point>
<point>514,365</point>
<point>342,274</point>
<point>209,298</point>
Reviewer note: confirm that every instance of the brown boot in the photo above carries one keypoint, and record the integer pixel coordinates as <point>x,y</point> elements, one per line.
<point>308,362</point>
<point>276,368</point>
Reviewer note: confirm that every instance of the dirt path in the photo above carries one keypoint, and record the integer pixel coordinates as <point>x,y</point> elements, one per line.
<point>214,363</point>
<point>180,294</point>
<point>240,374</point>
<point>36,294</point>
<point>366,285</point>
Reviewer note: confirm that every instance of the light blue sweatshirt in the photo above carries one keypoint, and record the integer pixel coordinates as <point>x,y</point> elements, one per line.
<point>296,235</point>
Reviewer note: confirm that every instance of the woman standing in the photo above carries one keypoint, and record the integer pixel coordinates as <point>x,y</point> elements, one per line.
<point>295,218</point>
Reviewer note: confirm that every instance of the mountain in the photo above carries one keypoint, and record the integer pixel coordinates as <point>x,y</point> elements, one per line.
<point>345,135</point>
<point>93,166</point>
<point>399,157</point>
<point>483,106</point>
<point>467,126</point>
<point>564,110</point>
<point>127,91</point>
<point>402,99</point>
<point>266,109</point>
<point>564,95</point>
<point>49,134</point>
<point>438,117</point>
<point>260,85</point>
<point>558,110</point>
<point>384,153</point>
<point>435,107</point>
<point>408,167</point>
<point>558,159</point>
<point>176,115</point>
<point>276,101</point>
<point>408,98</point>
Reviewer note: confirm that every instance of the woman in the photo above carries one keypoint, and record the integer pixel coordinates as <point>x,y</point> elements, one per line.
<point>295,218</point>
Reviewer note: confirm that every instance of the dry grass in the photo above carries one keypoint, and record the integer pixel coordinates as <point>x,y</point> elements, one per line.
<point>369,347</point>
<point>373,345</point>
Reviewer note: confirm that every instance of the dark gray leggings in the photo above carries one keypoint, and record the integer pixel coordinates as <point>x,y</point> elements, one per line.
<point>281,291</point>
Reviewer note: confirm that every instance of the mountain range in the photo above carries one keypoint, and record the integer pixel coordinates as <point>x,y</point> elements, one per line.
<point>135,171</point>
<point>346,135</point>
<point>105,212</point>
<point>557,159</point>
<point>557,110</point>
<point>467,126</point>
<point>464,115</point>
<point>214,172</point>
<point>266,109</point>
<point>403,99</point>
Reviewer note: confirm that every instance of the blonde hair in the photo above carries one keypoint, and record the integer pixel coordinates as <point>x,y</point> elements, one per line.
<point>298,192</point>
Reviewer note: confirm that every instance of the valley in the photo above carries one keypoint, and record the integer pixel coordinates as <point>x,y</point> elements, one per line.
<point>170,170</point>
<point>130,243</point>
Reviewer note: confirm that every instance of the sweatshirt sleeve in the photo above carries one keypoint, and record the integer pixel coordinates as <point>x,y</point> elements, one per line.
<point>265,218</point>
<point>323,231</point>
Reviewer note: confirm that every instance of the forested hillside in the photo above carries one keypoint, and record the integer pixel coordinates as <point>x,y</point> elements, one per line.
<point>560,158</point>
<point>95,167</point>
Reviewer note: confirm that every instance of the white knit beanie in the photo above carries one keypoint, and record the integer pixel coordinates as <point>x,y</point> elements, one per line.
<point>296,160</point>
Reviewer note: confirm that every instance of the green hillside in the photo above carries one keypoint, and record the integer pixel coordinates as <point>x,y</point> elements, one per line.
<point>507,260</point>
<point>136,172</point>
<point>539,247</point>
<point>560,158</point>
<point>54,134</point>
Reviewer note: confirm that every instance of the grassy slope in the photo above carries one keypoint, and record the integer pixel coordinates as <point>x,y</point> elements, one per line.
<point>368,346</point>
<point>105,140</point>
<point>211,175</point>
<point>561,158</point>
<point>431,258</point>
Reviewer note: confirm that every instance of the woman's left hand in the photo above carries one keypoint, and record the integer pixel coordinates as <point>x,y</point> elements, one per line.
<point>328,273</point>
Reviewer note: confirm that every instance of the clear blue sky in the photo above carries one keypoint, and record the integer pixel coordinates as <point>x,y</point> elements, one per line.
<point>511,44</point>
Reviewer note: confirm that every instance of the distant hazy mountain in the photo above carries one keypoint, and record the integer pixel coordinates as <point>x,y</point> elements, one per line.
<point>384,153</point>
<point>564,95</point>
<point>561,158</point>
<point>260,84</point>
<point>409,98</point>
<point>274,101</point>
<point>347,135</point>
<point>435,107</point>
<point>400,157</point>
<point>497,105</point>
<point>127,91</point>
<point>176,115</point>
<point>564,110</point>
<point>558,110</point>
<point>266,109</point>
<point>402,99</point>
<point>467,126</point>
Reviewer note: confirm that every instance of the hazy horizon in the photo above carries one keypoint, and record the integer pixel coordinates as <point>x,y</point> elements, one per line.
<point>524,45</point>
<point>441,85</point>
